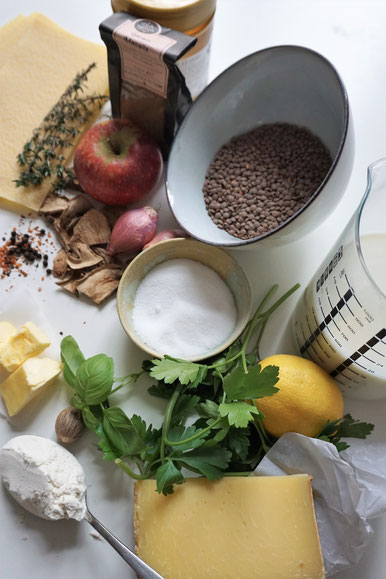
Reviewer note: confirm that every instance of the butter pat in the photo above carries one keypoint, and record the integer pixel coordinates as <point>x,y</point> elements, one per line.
<point>27,342</point>
<point>235,528</point>
<point>7,330</point>
<point>31,378</point>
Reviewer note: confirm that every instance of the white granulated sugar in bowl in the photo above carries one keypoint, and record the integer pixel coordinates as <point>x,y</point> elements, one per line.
<point>183,308</point>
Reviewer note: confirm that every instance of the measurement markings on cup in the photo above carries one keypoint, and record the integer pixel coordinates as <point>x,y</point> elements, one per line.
<point>361,353</point>
<point>327,319</point>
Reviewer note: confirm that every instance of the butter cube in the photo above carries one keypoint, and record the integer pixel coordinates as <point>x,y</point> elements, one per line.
<point>31,378</point>
<point>27,342</point>
<point>7,330</point>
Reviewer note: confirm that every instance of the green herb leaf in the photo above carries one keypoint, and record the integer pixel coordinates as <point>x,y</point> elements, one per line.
<point>181,433</point>
<point>238,413</point>
<point>208,409</point>
<point>94,379</point>
<point>184,407</point>
<point>209,461</point>
<point>171,369</point>
<point>109,452</point>
<point>168,475</point>
<point>256,383</point>
<point>90,421</point>
<point>72,358</point>
<point>126,435</point>
<point>238,443</point>
<point>352,428</point>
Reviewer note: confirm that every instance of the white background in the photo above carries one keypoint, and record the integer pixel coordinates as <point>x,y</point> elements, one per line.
<point>352,35</point>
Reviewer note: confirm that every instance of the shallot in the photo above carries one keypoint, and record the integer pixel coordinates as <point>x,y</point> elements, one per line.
<point>163,235</point>
<point>133,230</point>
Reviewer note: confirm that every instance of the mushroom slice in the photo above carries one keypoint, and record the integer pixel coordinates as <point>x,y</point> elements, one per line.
<point>60,264</point>
<point>54,204</point>
<point>100,283</point>
<point>76,207</point>
<point>80,256</point>
<point>92,228</point>
<point>69,284</point>
<point>64,236</point>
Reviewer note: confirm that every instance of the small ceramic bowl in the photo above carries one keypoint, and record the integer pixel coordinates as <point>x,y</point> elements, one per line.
<point>219,261</point>
<point>282,84</point>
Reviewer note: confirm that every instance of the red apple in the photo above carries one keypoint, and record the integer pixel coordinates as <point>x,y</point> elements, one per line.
<point>117,163</point>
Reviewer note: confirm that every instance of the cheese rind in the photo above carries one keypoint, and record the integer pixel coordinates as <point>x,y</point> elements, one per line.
<point>31,378</point>
<point>28,341</point>
<point>34,73</point>
<point>235,528</point>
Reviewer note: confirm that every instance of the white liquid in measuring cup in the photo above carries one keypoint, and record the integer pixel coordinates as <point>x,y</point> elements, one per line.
<point>339,322</point>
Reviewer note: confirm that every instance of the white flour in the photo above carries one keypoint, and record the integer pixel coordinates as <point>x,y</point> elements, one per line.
<point>45,478</point>
<point>184,309</point>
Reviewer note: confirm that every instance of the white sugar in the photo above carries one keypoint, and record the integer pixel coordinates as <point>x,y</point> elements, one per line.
<point>184,309</point>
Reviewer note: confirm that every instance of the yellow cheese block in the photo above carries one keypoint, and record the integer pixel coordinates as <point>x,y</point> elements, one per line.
<point>31,378</point>
<point>10,35</point>
<point>235,528</point>
<point>7,330</point>
<point>44,62</point>
<point>27,342</point>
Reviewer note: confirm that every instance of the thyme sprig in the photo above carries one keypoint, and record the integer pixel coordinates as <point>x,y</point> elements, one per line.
<point>43,154</point>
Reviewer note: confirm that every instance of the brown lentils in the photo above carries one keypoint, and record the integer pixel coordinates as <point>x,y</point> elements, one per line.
<point>261,178</point>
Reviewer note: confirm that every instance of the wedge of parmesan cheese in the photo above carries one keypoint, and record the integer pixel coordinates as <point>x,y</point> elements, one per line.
<point>38,61</point>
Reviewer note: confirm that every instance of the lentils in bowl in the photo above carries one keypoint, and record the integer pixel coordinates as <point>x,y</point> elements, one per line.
<point>288,103</point>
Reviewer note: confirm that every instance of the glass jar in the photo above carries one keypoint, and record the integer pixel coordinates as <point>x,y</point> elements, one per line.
<point>193,17</point>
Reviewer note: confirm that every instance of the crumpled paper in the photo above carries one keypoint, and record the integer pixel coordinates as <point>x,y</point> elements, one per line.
<point>349,490</point>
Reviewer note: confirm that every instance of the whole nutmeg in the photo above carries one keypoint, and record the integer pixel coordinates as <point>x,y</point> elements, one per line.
<point>69,425</point>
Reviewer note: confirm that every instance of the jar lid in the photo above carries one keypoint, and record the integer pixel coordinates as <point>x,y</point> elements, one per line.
<point>180,15</point>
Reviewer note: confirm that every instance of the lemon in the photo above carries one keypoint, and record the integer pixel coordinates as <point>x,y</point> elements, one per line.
<point>307,397</point>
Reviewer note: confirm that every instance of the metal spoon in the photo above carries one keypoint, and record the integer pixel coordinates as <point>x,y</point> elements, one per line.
<point>140,567</point>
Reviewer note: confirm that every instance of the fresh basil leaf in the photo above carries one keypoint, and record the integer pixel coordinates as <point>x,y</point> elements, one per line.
<point>125,434</point>
<point>211,462</point>
<point>90,421</point>
<point>109,452</point>
<point>94,379</point>
<point>257,383</point>
<point>238,413</point>
<point>72,358</point>
<point>76,402</point>
<point>168,475</point>
<point>171,369</point>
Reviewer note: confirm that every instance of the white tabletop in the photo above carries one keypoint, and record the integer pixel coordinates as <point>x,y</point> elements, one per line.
<point>351,33</point>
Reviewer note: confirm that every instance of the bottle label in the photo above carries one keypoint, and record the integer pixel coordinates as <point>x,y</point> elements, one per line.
<point>142,46</point>
<point>195,69</point>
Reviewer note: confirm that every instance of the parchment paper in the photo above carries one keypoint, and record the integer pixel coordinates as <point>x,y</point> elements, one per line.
<point>349,490</point>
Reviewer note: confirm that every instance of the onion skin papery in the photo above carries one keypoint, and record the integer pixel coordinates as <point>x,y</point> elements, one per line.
<point>133,230</point>
<point>163,235</point>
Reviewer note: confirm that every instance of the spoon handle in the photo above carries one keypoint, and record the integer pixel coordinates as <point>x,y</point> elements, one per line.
<point>140,567</point>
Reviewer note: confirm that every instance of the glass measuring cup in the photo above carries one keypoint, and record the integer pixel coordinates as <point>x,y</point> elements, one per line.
<point>340,320</point>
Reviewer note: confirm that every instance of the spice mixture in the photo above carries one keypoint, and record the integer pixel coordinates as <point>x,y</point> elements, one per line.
<point>21,249</point>
<point>261,178</point>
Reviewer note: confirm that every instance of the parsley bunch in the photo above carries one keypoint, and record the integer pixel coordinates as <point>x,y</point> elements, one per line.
<point>226,435</point>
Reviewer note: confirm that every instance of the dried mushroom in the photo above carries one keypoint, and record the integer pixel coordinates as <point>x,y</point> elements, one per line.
<point>82,265</point>
<point>93,228</point>
<point>100,283</point>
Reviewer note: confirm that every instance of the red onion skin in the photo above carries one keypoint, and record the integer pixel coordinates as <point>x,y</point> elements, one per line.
<point>132,230</point>
<point>166,234</point>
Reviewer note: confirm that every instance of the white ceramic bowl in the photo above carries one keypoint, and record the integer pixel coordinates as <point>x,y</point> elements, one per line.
<point>288,84</point>
<point>220,261</point>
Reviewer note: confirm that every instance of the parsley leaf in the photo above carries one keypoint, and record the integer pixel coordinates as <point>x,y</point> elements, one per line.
<point>171,369</point>
<point>181,433</point>
<point>185,406</point>
<point>238,442</point>
<point>256,383</point>
<point>167,475</point>
<point>238,413</point>
<point>125,434</point>
<point>211,462</point>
